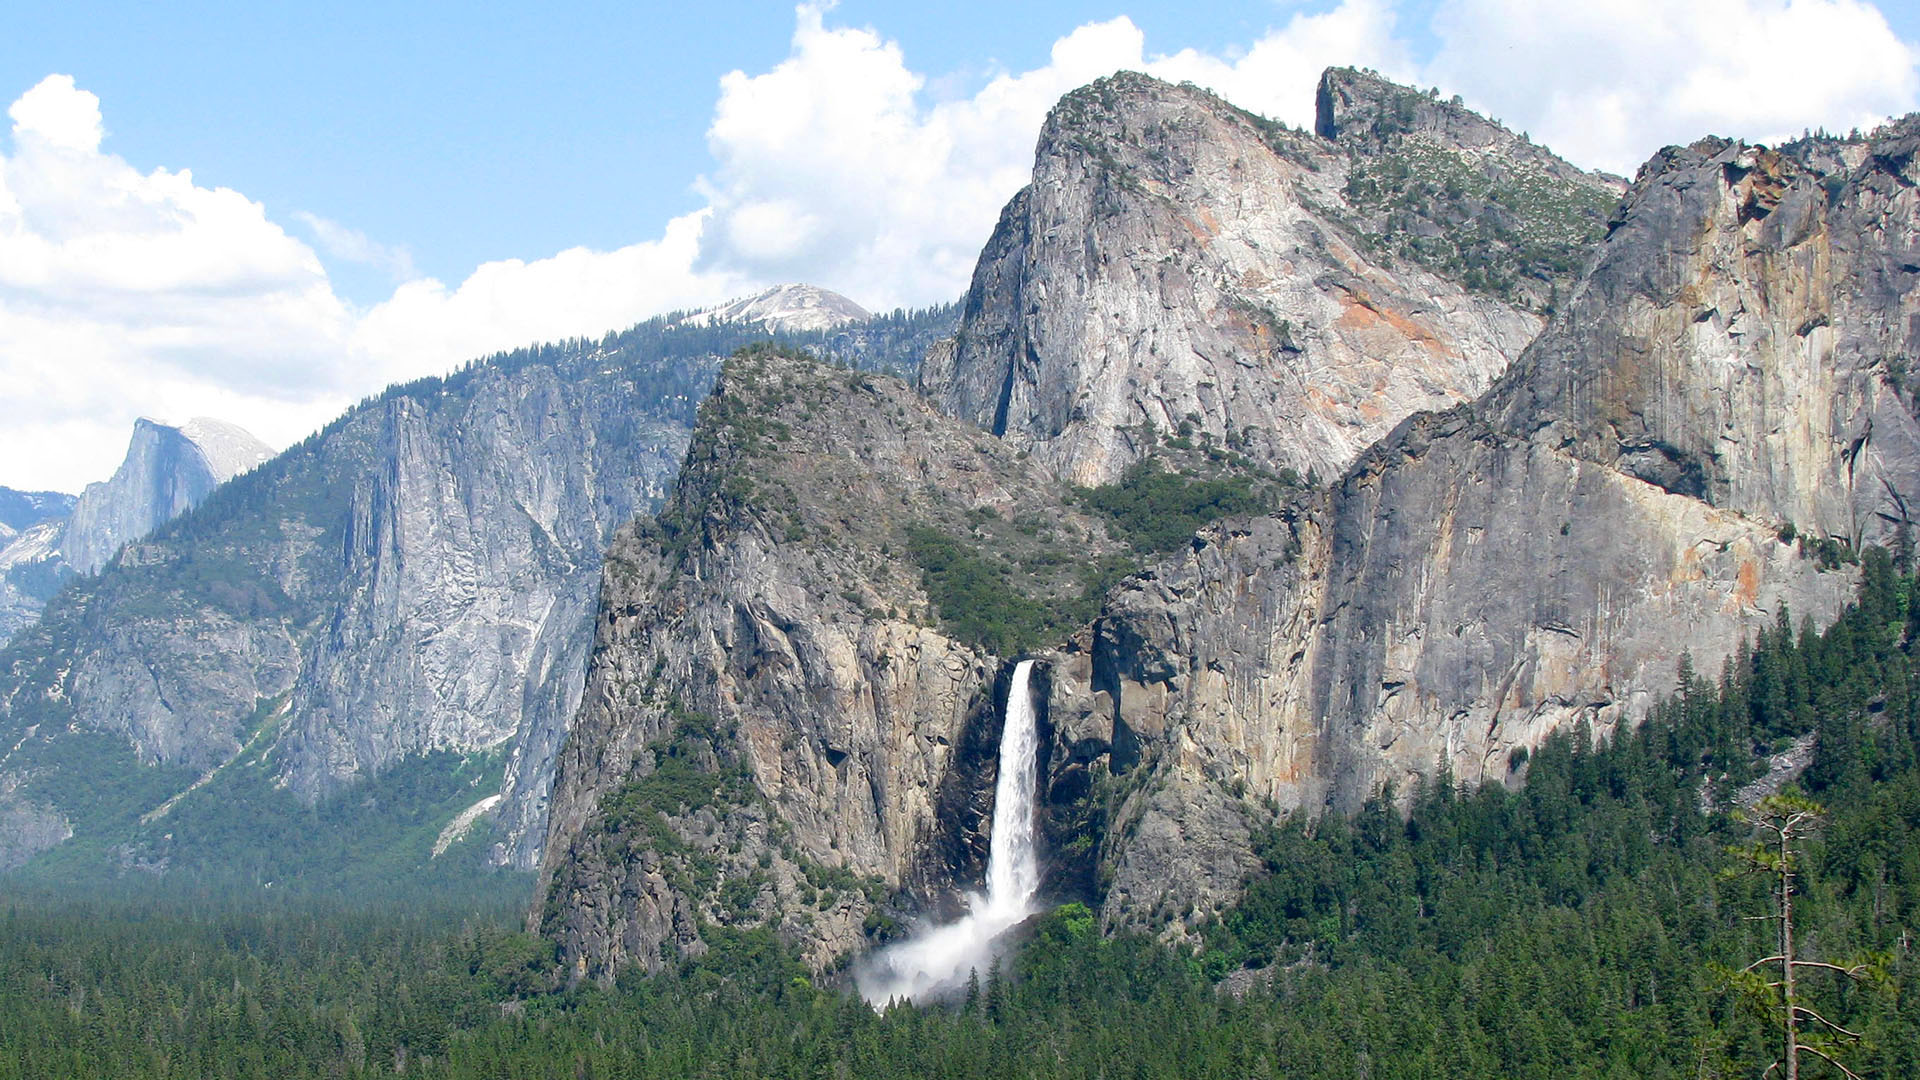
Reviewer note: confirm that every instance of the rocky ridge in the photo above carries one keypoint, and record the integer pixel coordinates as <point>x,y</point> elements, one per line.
<point>22,510</point>
<point>31,571</point>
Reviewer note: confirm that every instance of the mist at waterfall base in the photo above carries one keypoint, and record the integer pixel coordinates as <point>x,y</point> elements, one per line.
<point>937,959</point>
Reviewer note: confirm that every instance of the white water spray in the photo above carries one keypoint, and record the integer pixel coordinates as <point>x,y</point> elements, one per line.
<point>939,958</point>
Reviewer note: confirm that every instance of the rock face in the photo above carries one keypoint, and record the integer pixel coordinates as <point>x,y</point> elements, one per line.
<point>1178,265</point>
<point>777,729</point>
<point>420,576</point>
<point>167,471</point>
<point>1544,555</point>
<point>1749,339</point>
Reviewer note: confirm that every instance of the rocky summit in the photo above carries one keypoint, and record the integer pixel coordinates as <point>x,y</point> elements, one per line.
<point>167,471</point>
<point>1180,267</point>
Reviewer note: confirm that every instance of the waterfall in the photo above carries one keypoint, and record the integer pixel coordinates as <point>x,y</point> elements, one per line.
<point>939,958</point>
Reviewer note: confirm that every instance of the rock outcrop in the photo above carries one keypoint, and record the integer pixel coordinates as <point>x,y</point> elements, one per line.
<point>780,726</point>
<point>1181,268</point>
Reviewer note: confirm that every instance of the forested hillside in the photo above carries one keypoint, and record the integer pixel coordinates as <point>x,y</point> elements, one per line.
<point>1586,924</point>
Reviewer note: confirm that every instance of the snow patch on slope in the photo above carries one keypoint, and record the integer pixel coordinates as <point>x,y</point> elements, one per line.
<point>786,309</point>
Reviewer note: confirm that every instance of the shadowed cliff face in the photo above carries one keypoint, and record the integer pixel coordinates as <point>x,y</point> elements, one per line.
<point>1177,262</point>
<point>773,616</point>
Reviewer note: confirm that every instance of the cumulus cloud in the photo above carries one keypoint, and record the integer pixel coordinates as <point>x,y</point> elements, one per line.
<point>127,294</point>
<point>1606,85</point>
<point>427,326</point>
<point>124,292</point>
<point>834,166</point>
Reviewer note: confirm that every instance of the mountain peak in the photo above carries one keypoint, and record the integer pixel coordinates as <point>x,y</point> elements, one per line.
<point>793,308</point>
<point>168,469</point>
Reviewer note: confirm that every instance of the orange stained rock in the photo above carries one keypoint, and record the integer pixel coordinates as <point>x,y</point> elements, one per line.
<point>1746,589</point>
<point>1360,315</point>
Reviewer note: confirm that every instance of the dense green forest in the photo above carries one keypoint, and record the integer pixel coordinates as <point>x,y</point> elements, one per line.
<point>1584,924</point>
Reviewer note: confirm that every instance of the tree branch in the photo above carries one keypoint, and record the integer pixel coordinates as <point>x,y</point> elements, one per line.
<point>1824,1056</point>
<point>1824,1020</point>
<point>1851,973</point>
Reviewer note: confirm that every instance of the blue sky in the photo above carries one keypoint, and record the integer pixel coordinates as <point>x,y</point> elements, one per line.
<point>516,132</point>
<point>264,212</point>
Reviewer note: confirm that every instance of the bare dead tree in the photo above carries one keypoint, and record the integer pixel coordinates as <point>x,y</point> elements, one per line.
<point>1783,822</point>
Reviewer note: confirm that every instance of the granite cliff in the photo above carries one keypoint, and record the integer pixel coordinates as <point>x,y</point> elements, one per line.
<point>1714,416</point>
<point>168,470</point>
<point>1179,267</point>
<point>1697,444</point>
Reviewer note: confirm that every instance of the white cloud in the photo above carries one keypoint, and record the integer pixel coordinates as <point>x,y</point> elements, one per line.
<point>1277,74</point>
<point>428,327</point>
<point>835,168</point>
<point>55,112</point>
<point>124,292</point>
<point>354,246</point>
<point>1606,85</point>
